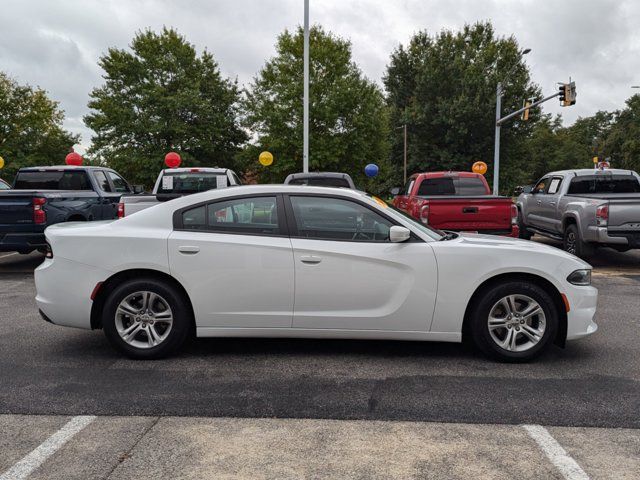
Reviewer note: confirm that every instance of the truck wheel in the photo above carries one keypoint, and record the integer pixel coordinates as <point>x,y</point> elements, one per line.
<point>524,233</point>
<point>146,318</point>
<point>514,321</point>
<point>574,244</point>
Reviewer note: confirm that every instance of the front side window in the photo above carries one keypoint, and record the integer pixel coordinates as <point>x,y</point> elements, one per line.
<point>119,185</point>
<point>409,186</point>
<point>258,215</point>
<point>328,218</point>
<point>541,186</point>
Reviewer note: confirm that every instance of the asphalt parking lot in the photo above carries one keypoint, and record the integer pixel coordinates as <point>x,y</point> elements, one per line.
<point>243,408</point>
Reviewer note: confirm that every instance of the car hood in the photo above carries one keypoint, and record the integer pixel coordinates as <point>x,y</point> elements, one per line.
<point>518,244</point>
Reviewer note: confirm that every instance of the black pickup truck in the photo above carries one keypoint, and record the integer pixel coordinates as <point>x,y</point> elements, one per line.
<point>42,196</point>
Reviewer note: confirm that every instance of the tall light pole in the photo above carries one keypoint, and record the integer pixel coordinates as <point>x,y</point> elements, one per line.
<point>496,146</point>
<point>305,99</point>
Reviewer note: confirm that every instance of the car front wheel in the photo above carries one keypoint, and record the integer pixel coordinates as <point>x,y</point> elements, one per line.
<point>146,318</point>
<point>514,321</point>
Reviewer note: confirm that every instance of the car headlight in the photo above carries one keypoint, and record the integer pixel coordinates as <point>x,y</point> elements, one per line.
<point>580,277</point>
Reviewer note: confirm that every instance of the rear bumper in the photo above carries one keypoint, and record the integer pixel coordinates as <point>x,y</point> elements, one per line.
<point>16,242</point>
<point>602,235</point>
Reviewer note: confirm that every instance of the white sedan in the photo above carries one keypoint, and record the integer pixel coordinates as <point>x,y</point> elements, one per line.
<point>311,262</point>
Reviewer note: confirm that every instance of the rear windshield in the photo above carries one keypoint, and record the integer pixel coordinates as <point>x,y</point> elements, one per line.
<point>604,184</point>
<point>321,182</point>
<point>191,182</point>
<point>463,186</point>
<point>52,180</point>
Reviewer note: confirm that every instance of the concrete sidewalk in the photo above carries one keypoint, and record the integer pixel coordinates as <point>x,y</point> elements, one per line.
<point>226,448</point>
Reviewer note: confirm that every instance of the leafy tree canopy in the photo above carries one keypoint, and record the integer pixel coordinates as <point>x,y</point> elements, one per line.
<point>158,97</point>
<point>31,130</point>
<point>348,117</point>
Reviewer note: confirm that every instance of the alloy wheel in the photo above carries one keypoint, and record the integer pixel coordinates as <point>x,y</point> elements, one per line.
<point>143,319</point>
<point>516,323</point>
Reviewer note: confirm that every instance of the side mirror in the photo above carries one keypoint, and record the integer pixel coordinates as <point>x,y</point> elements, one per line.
<point>398,234</point>
<point>138,189</point>
<point>395,191</point>
<point>517,191</point>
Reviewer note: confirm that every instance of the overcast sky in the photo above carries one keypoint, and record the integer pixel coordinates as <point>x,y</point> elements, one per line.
<point>56,44</point>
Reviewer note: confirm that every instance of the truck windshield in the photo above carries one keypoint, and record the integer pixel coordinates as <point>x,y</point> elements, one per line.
<point>463,186</point>
<point>191,182</point>
<point>52,180</point>
<point>604,184</point>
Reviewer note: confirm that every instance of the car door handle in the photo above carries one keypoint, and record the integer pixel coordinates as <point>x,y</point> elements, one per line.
<point>188,250</point>
<point>539,202</point>
<point>552,204</point>
<point>310,259</point>
<point>469,209</point>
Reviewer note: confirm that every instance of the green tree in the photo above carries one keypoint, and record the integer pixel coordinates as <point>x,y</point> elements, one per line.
<point>443,87</point>
<point>31,130</point>
<point>158,97</point>
<point>622,140</point>
<point>348,117</point>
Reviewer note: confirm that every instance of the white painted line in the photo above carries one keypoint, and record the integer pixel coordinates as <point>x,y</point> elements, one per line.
<point>555,453</point>
<point>51,445</point>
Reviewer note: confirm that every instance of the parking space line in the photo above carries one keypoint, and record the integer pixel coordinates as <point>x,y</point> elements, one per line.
<point>37,457</point>
<point>568,467</point>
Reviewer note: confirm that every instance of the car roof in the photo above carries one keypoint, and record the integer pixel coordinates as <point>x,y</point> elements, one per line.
<point>64,167</point>
<point>199,169</point>
<point>446,173</point>
<point>590,171</point>
<point>318,174</point>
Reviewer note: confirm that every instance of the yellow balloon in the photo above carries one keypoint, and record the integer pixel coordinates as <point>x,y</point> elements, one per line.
<point>265,159</point>
<point>1,162</point>
<point>479,167</point>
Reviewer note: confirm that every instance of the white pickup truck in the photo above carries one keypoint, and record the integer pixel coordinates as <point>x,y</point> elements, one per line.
<point>177,182</point>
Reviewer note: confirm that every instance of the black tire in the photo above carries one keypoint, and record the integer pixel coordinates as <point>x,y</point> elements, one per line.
<point>180,311</point>
<point>479,321</point>
<point>524,233</point>
<point>573,243</point>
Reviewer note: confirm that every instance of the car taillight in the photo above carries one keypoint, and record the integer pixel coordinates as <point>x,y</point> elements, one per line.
<point>602,215</point>
<point>120,210</point>
<point>39,215</point>
<point>514,214</point>
<point>48,253</point>
<point>424,214</point>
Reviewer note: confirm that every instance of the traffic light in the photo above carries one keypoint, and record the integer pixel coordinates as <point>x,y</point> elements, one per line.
<point>525,114</point>
<point>572,93</point>
<point>563,94</point>
<point>567,94</point>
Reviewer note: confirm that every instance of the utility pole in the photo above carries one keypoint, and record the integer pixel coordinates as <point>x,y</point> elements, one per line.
<point>496,146</point>
<point>405,154</point>
<point>305,100</point>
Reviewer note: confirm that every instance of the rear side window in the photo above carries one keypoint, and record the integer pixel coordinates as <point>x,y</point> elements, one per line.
<point>257,215</point>
<point>101,180</point>
<point>53,180</point>
<point>604,184</point>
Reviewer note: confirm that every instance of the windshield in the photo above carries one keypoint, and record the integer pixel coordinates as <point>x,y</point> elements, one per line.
<point>604,184</point>
<point>191,182</point>
<point>52,180</point>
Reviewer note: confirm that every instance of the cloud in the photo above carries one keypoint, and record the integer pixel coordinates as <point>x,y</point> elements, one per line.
<point>56,45</point>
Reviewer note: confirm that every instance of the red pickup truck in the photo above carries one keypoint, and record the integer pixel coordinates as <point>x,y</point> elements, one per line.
<point>460,201</point>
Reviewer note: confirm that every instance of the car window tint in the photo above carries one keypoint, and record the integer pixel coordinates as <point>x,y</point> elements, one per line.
<point>540,186</point>
<point>437,186</point>
<point>409,186</point>
<point>469,186</point>
<point>4,185</point>
<point>258,215</point>
<point>102,181</point>
<point>195,218</point>
<point>336,219</point>
<point>604,184</point>
<point>119,185</point>
<point>191,182</point>
<point>321,182</point>
<point>554,185</point>
<point>53,180</point>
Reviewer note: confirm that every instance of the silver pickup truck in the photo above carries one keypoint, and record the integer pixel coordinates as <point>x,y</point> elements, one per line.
<point>177,182</point>
<point>583,208</point>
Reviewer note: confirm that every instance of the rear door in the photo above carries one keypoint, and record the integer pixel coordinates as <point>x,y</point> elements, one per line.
<point>348,275</point>
<point>234,258</point>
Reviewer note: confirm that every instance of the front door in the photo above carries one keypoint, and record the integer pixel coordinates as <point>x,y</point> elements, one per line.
<point>349,276</point>
<point>234,259</point>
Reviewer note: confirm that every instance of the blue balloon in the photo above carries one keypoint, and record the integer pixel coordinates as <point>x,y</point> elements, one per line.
<point>371,170</point>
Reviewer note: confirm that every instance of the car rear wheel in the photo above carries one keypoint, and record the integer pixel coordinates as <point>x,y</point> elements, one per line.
<point>574,244</point>
<point>514,322</point>
<point>146,318</point>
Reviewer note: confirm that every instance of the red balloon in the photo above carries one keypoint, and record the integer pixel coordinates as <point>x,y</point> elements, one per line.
<point>172,160</point>
<point>73,158</point>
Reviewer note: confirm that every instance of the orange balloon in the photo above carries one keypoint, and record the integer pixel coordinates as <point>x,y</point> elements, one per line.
<point>479,167</point>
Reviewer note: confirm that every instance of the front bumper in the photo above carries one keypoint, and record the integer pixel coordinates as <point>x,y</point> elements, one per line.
<point>583,302</point>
